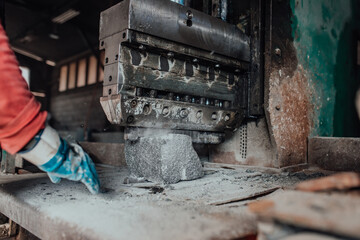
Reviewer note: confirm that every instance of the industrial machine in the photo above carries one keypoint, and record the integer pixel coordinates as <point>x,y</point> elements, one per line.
<point>168,66</point>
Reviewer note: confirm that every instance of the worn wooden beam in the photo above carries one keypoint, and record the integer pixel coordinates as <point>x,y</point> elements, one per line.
<point>340,181</point>
<point>335,154</point>
<point>336,214</point>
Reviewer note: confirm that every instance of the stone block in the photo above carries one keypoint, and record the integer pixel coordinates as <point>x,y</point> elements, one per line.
<point>167,158</point>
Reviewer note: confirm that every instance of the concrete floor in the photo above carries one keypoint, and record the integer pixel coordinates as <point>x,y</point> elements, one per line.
<point>213,207</point>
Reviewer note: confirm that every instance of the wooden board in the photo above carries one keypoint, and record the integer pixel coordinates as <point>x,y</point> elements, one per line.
<point>335,214</point>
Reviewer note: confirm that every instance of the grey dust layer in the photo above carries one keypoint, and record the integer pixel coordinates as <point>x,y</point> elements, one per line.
<point>165,159</point>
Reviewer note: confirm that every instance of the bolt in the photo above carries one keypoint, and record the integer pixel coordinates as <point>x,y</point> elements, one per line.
<point>165,111</point>
<point>130,119</point>
<point>214,116</point>
<point>277,107</point>
<point>277,52</point>
<point>170,54</point>
<point>227,117</point>
<point>187,98</point>
<point>195,60</point>
<point>237,70</point>
<point>133,103</point>
<point>184,113</point>
<point>189,14</point>
<point>177,98</point>
<point>202,101</point>
<point>226,104</point>
<point>146,109</point>
<point>217,103</point>
<point>217,65</point>
<point>142,47</point>
<point>199,114</point>
<point>207,102</point>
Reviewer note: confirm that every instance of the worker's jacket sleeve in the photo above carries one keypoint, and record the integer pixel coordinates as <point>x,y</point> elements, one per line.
<point>20,115</point>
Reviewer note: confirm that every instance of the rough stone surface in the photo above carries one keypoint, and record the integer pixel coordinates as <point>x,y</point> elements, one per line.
<point>165,159</point>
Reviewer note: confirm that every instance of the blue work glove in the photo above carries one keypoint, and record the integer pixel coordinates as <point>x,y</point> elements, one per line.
<point>60,159</point>
<point>71,162</point>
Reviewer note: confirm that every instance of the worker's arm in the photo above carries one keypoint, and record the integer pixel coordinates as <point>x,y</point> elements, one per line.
<point>23,131</point>
<point>20,115</point>
<point>60,159</point>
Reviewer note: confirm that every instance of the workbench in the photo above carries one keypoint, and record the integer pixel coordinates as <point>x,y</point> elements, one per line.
<point>213,207</point>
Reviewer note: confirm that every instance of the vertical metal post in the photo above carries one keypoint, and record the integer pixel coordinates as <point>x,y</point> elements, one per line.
<point>220,9</point>
<point>224,10</point>
<point>216,8</point>
<point>256,80</point>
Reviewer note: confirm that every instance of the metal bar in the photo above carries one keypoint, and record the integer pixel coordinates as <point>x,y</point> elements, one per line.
<point>224,10</point>
<point>216,8</point>
<point>176,23</point>
<point>256,79</point>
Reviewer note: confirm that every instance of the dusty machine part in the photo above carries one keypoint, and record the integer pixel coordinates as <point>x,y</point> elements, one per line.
<point>249,145</point>
<point>167,158</point>
<point>133,134</point>
<point>188,73</point>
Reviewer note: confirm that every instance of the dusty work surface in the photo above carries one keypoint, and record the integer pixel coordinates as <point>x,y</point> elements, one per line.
<point>212,207</point>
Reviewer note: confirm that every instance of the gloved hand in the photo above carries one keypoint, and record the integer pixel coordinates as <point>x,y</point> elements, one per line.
<point>62,160</point>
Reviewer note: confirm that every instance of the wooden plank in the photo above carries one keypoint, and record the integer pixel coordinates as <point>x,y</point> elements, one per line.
<point>340,181</point>
<point>335,214</point>
<point>106,153</point>
<point>335,154</point>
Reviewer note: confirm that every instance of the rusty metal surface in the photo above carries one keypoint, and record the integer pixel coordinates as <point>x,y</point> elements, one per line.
<point>287,95</point>
<point>334,154</point>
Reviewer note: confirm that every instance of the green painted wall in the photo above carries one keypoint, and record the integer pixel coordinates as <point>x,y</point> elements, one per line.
<point>325,36</point>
